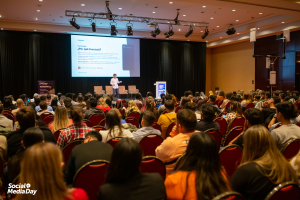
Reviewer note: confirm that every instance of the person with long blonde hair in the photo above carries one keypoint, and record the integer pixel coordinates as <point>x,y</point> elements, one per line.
<point>102,104</point>
<point>42,169</point>
<point>235,111</point>
<point>61,119</point>
<point>132,107</point>
<point>263,167</point>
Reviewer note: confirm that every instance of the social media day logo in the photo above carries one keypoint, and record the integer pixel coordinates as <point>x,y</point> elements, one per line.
<point>20,189</point>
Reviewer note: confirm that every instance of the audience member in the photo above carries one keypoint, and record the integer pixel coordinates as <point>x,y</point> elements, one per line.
<point>7,103</point>
<point>102,104</point>
<point>80,100</point>
<point>262,168</point>
<point>119,115</point>
<point>149,107</point>
<point>225,101</point>
<point>119,104</point>
<point>114,127</point>
<point>75,131</point>
<point>165,119</point>
<point>184,100</point>
<point>43,106</point>
<point>92,149</point>
<point>94,110</point>
<point>61,119</point>
<point>132,107</point>
<point>162,108</point>
<point>138,98</point>
<point>36,95</point>
<point>172,148</point>
<point>207,117</point>
<point>269,109</point>
<point>146,124</point>
<point>20,104</point>
<point>46,177</point>
<point>48,100</point>
<point>256,100</point>
<point>4,121</point>
<point>38,101</point>
<point>192,106</point>
<point>70,95</point>
<point>54,103</point>
<point>235,111</point>
<point>246,100</point>
<point>23,97</point>
<point>201,175</point>
<point>220,97</point>
<point>108,101</point>
<point>124,179</point>
<point>212,101</point>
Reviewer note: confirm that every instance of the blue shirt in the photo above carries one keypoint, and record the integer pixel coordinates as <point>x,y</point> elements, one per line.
<point>38,108</point>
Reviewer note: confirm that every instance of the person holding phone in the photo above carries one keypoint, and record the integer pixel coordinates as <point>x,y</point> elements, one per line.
<point>114,82</point>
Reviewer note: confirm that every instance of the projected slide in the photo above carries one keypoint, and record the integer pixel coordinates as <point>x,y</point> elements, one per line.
<point>103,56</point>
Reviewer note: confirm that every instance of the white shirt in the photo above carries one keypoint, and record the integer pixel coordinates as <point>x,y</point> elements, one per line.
<point>115,133</point>
<point>114,82</point>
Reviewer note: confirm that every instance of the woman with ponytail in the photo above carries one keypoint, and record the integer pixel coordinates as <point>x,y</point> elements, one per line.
<point>150,106</point>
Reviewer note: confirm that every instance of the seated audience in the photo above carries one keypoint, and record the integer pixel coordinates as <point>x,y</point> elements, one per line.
<point>61,119</point>
<point>94,110</point>
<point>124,179</point>
<point>36,95</point>
<point>43,106</point>
<point>285,111</point>
<point>184,100</point>
<point>30,137</point>
<point>165,119</point>
<point>207,119</point>
<point>102,104</point>
<point>147,122</point>
<point>7,103</point>
<point>256,100</point>
<point>211,101</point>
<point>162,108</point>
<point>172,148</point>
<point>75,131</point>
<point>108,101</point>
<point>220,97</point>
<point>91,149</point>
<point>46,177</point>
<point>20,104</point>
<point>201,175</point>
<point>246,100</point>
<point>235,111</point>
<point>192,106</point>
<point>197,96</point>
<point>70,95</point>
<point>132,107</point>
<point>38,101</point>
<point>295,162</point>
<point>80,100</point>
<point>203,96</point>
<point>149,107</point>
<point>114,127</point>
<point>4,121</point>
<point>26,118</point>
<point>48,100</point>
<point>262,168</point>
<point>225,101</point>
<point>119,104</point>
<point>54,103</point>
<point>269,109</point>
<point>138,98</point>
<point>119,115</point>
<point>282,97</point>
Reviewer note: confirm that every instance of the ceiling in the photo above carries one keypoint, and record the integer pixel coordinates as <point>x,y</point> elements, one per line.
<point>267,15</point>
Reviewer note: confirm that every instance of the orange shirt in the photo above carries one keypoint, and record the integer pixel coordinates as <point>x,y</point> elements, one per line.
<point>51,125</point>
<point>219,99</point>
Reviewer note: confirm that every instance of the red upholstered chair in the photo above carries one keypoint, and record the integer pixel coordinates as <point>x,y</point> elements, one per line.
<point>45,114</point>
<point>176,105</point>
<point>132,121</point>
<point>197,101</point>
<point>156,119</point>
<point>177,109</point>
<point>287,191</point>
<point>230,195</point>
<point>122,111</point>
<point>156,126</point>
<point>151,164</point>
<point>231,157</point>
<point>291,149</point>
<point>223,125</point>
<point>250,105</point>
<point>96,119</point>
<point>233,133</point>
<point>68,149</point>
<point>227,106</point>
<point>99,128</point>
<point>216,135</point>
<point>88,123</point>
<point>9,116</point>
<point>179,161</point>
<point>169,129</point>
<point>136,115</point>
<point>139,105</point>
<point>49,119</point>
<point>82,179</point>
<point>298,124</point>
<point>57,133</point>
<point>103,122</point>
<point>149,143</point>
<point>164,112</point>
<point>238,121</point>
<point>277,126</point>
<point>124,101</point>
<point>220,103</point>
<point>113,141</point>
<point>105,111</point>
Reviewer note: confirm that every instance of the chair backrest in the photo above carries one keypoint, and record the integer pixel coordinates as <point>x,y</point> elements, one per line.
<point>176,105</point>
<point>132,121</point>
<point>105,111</point>
<point>231,157</point>
<point>82,179</point>
<point>291,149</point>
<point>287,191</point>
<point>250,105</point>
<point>197,101</point>
<point>177,109</point>
<point>98,89</point>
<point>103,122</point>
<point>179,161</point>
<point>113,141</point>
<point>68,149</point>
<point>223,125</point>
<point>149,143</point>
<point>99,128</point>
<point>230,195</point>
<point>238,121</point>
<point>233,133</point>
<point>139,105</point>
<point>298,124</point>
<point>96,119</point>
<point>57,133</point>
<point>45,114</point>
<point>220,103</point>
<point>88,123</point>
<point>227,106</point>
<point>169,129</point>
<point>136,115</point>
<point>156,126</point>
<point>109,89</point>
<point>132,89</point>
<point>151,164</point>
<point>216,135</point>
<point>121,88</point>
<point>122,111</point>
<point>9,116</point>
<point>49,119</point>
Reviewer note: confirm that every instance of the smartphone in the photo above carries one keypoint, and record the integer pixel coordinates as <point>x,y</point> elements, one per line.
<point>28,100</point>
<point>224,116</point>
<point>128,57</point>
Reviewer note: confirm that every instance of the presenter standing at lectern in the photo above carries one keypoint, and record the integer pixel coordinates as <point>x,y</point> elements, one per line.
<point>114,82</point>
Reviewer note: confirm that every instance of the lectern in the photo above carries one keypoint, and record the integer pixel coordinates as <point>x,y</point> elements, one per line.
<point>161,88</point>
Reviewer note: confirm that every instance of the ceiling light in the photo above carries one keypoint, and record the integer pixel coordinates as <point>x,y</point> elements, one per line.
<point>153,12</point>
<point>83,4</point>
<point>218,26</point>
<point>38,11</point>
<point>206,41</point>
<point>238,33</point>
<point>212,18</point>
<point>233,10</point>
<point>230,31</point>
<point>120,8</point>
<point>221,37</point>
<point>237,20</point>
<point>170,32</point>
<point>36,18</point>
<point>155,32</point>
<point>1,28</point>
<point>40,0</point>
<point>170,2</point>
<point>74,24</point>
<point>0,15</point>
<point>258,28</point>
<point>129,29</point>
<point>190,32</point>
<point>34,30</point>
<point>179,29</point>
<point>260,13</point>
<point>204,6</point>
<point>283,22</point>
<point>168,22</point>
<point>167,38</point>
<point>188,40</point>
<point>93,27</point>
<point>205,34</point>
<point>201,31</point>
<point>113,30</point>
<point>184,15</point>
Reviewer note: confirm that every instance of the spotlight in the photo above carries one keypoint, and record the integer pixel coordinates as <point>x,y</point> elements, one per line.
<point>155,32</point>
<point>190,32</point>
<point>113,30</point>
<point>74,24</point>
<point>94,27</point>
<point>170,32</point>
<point>129,29</point>
<point>205,34</point>
<point>230,31</point>
<point>176,18</point>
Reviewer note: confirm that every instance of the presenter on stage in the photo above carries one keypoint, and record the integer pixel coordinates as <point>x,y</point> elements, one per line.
<point>114,82</point>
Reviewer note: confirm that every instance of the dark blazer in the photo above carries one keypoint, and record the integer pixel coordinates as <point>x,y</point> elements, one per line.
<point>84,153</point>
